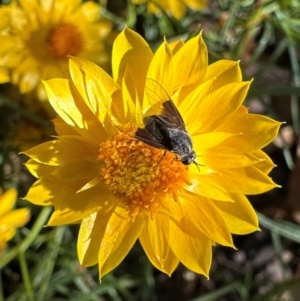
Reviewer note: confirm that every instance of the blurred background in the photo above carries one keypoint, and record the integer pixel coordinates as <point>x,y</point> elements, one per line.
<point>41,263</point>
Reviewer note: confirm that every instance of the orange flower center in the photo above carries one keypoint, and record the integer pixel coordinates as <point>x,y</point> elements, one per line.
<point>64,39</point>
<point>139,174</point>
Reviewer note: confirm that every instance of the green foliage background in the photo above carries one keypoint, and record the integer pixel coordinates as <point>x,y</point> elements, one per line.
<point>41,263</point>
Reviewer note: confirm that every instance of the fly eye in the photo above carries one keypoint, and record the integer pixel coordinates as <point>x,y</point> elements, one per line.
<point>186,162</point>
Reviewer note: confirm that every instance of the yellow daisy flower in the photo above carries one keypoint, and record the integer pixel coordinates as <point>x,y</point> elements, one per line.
<point>37,36</point>
<point>175,8</point>
<point>120,189</point>
<point>10,219</point>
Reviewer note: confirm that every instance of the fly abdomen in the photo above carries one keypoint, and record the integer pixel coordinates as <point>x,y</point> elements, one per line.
<point>159,130</point>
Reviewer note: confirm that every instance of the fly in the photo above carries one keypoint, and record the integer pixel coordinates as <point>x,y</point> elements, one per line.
<point>166,130</point>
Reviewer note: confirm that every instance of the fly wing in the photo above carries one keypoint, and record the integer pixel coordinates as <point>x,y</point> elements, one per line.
<point>145,136</point>
<point>162,104</point>
<point>171,113</point>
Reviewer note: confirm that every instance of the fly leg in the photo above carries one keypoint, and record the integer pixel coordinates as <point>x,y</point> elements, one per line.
<point>162,157</point>
<point>175,158</point>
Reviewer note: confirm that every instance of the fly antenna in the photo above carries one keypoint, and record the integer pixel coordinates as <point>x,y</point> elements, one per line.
<point>197,164</point>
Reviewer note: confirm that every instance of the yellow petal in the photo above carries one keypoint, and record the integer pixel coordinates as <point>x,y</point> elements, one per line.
<point>134,87</point>
<point>44,192</point>
<point>81,170</point>
<point>89,238</point>
<point>61,152</point>
<point>131,51</point>
<point>239,216</point>
<point>6,235</point>
<point>76,206</point>
<point>29,65</point>
<point>188,103</point>
<point>155,242</point>
<point>4,75</point>
<point>62,128</point>
<point>208,140</point>
<point>212,224</point>
<point>90,9</point>
<point>91,183</point>
<point>38,169</point>
<point>15,218</point>
<point>191,246</point>
<point>94,85</point>
<point>257,131</point>
<point>154,7</point>
<point>8,43</point>
<point>226,157</point>
<point>128,107</point>
<point>224,72</point>
<point>117,238</point>
<point>266,164</point>
<point>7,200</point>
<point>195,4</point>
<point>191,60</point>
<point>161,68</point>
<point>205,185</point>
<point>177,9</point>
<point>28,81</point>
<point>175,45</point>
<point>247,180</point>
<point>103,29</point>
<point>219,106</point>
<point>158,241</point>
<point>61,99</point>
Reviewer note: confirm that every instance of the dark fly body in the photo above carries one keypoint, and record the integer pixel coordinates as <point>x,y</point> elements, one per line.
<point>166,130</point>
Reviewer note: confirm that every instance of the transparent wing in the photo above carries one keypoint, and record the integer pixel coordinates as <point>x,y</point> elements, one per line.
<point>171,114</point>
<point>162,104</point>
<point>156,94</point>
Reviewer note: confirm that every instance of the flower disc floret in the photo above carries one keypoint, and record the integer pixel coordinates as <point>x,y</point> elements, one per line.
<point>64,39</point>
<point>140,175</point>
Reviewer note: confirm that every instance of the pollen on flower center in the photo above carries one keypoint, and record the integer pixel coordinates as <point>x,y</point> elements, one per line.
<point>64,39</point>
<point>139,174</point>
